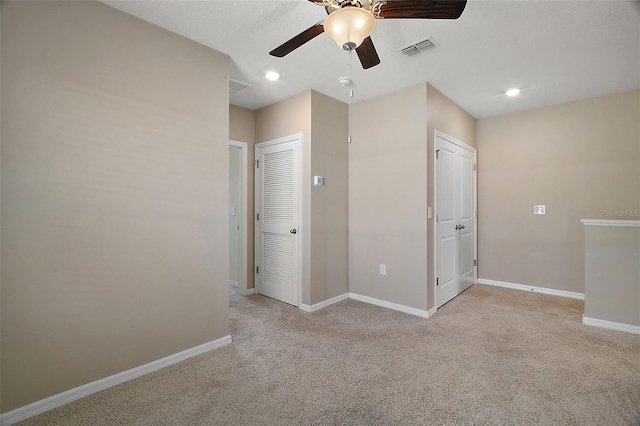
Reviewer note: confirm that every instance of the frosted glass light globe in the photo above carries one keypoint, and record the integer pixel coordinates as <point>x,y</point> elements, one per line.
<point>349,26</point>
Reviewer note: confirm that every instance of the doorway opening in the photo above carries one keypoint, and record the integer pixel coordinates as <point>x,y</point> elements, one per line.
<point>238,217</point>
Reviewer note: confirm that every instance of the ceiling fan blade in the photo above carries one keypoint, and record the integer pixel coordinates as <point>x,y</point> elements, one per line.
<point>298,40</point>
<point>367,54</point>
<point>419,9</point>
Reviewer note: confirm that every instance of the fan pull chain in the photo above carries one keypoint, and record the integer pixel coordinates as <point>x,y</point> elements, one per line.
<point>350,95</point>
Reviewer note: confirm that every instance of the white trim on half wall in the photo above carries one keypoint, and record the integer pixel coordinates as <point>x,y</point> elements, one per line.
<point>610,325</point>
<point>324,304</point>
<point>371,301</point>
<point>74,394</point>
<point>390,305</point>
<point>542,290</point>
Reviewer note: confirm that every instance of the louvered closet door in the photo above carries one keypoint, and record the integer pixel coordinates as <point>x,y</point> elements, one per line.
<point>277,205</point>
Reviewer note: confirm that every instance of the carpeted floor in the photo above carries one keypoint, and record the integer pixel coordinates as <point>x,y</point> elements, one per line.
<point>490,356</point>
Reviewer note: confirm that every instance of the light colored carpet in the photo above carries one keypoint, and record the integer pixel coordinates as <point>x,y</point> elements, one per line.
<point>491,356</point>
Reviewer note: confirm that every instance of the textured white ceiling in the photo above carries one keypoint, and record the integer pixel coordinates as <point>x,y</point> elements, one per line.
<point>555,51</point>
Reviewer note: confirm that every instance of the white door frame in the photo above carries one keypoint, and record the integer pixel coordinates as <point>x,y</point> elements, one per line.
<point>300,235</point>
<point>242,284</point>
<point>436,134</point>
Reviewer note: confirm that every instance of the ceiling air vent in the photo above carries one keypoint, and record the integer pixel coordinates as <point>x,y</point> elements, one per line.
<point>419,46</point>
<point>235,86</point>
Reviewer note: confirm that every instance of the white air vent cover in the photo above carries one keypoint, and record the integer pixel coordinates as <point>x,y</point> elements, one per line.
<point>235,86</point>
<point>419,46</point>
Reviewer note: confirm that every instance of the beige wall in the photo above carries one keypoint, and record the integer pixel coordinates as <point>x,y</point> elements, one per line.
<point>388,197</point>
<point>329,203</point>
<point>242,128</point>
<point>322,123</point>
<point>447,117</point>
<point>242,125</point>
<point>114,196</point>
<point>580,159</point>
<point>1,7</point>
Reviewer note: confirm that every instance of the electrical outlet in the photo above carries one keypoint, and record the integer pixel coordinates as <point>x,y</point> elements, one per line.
<point>383,269</point>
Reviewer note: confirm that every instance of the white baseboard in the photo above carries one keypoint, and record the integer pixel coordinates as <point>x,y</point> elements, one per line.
<point>324,304</point>
<point>233,284</point>
<point>370,300</point>
<point>249,292</point>
<point>431,312</point>
<point>391,305</point>
<point>628,328</point>
<point>71,395</point>
<point>550,291</point>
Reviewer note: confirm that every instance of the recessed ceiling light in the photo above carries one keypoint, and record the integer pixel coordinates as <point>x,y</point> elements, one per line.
<point>272,75</point>
<point>513,92</point>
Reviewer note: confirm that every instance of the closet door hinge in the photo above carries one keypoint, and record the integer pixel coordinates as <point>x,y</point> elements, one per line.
<point>437,151</point>
<point>258,216</point>
<point>257,164</point>
<point>257,269</point>
<point>475,167</point>
<point>475,262</point>
<point>437,281</point>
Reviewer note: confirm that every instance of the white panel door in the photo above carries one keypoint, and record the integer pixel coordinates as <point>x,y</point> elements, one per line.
<point>277,207</point>
<point>446,243</point>
<point>455,220</point>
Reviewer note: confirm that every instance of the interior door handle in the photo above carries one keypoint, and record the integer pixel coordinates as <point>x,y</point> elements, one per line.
<point>293,231</point>
<point>459,227</point>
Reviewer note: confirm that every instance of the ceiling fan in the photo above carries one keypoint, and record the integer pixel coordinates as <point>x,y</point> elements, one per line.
<point>351,22</point>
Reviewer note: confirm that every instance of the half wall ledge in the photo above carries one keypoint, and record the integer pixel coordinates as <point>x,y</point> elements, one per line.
<point>612,274</point>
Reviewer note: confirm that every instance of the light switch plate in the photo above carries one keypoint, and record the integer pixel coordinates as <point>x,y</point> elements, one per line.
<point>429,212</point>
<point>539,209</point>
<point>318,181</point>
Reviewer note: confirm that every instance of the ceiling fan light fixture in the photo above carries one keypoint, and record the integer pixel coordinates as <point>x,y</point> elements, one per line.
<point>513,92</point>
<point>349,26</point>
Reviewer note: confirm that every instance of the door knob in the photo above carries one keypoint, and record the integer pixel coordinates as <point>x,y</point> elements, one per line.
<point>293,231</point>
<point>461,226</point>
